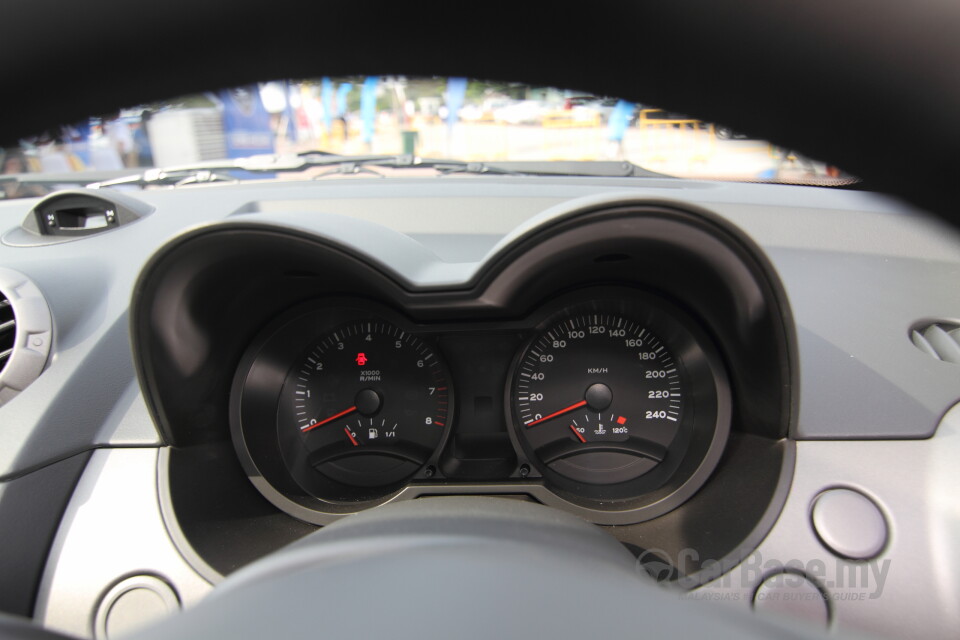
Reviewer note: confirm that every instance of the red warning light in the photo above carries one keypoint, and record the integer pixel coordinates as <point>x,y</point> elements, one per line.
<point>361,359</point>
<point>621,420</point>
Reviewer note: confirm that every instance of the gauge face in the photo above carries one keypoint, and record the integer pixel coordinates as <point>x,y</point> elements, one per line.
<point>600,398</point>
<point>366,405</point>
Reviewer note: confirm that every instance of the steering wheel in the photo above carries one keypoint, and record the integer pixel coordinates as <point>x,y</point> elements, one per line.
<point>465,567</point>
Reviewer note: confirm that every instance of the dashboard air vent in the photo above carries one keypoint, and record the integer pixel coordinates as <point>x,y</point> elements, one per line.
<point>8,331</point>
<point>940,340</point>
<point>26,332</point>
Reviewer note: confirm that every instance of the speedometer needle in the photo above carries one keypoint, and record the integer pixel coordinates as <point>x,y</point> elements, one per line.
<point>330,419</point>
<point>557,413</point>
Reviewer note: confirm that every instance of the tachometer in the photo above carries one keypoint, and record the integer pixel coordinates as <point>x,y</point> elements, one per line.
<point>365,405</point>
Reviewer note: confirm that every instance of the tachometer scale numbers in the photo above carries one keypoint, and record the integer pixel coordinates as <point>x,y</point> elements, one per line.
<point>366,405</point>
<point>598,398</point>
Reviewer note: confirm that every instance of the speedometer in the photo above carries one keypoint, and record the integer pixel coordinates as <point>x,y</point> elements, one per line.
<point>606,396</point>
<point>599,397</point>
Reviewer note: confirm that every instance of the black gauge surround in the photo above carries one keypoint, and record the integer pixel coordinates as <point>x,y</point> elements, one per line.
<point>337,407</point>
<point>221,314</point>
<point>619,401</point>
<point>366,405</point>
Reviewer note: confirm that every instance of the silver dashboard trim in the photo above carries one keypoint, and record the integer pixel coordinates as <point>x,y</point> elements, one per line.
<point>112,529</point>
<point>921,557</point>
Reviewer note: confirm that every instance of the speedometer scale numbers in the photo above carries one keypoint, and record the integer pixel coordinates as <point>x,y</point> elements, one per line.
<point>366,405</point>
<point>598,398</point>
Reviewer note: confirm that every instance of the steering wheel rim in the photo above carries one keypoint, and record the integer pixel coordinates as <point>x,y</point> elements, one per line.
<point>467,567</point>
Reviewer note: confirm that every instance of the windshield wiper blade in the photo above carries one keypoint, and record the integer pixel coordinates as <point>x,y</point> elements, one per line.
<point>446,166</point>
<point>210,171</point>
<point>70,177</point>
<point>586,168</point>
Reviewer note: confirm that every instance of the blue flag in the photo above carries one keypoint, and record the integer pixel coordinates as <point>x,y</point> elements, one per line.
<point>326,98</point>
<point>368,107</point>
<point>456,92</point>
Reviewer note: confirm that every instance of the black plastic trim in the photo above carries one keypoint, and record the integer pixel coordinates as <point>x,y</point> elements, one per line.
<point>201,300</point>
<point>31,507</point>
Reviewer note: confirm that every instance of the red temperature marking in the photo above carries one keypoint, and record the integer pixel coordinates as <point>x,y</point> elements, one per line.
<point>621,420</point>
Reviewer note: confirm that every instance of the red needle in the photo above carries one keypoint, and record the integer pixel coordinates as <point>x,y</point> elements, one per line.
<point>578,434</point>
<point>330,419</point>
<point>557,413</point>
<point>346,430</point>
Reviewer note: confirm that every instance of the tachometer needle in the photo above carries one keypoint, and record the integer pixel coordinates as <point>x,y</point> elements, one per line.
<point>557,413</point>
<point>578,434</point>
<point>330,419</point>
<point>346,430</point>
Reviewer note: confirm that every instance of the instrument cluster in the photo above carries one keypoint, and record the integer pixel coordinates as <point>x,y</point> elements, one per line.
<point>608,401</point>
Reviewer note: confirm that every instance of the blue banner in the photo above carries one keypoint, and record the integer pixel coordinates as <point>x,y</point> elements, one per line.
<point>246,123</point>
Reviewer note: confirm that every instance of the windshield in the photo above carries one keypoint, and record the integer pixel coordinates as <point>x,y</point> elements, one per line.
<point>374,126</point>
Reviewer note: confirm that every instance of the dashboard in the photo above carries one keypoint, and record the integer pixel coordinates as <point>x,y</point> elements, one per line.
<point>693,367</point>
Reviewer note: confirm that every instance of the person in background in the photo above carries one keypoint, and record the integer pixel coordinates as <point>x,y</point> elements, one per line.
<point>76,139</point>
<point>792,165</point>
<point>120,137</point>
<point>15,162</point>
<point>103,154</point>
<point>620,119</point>
<point>141,140</point>
<point>52,155</point>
